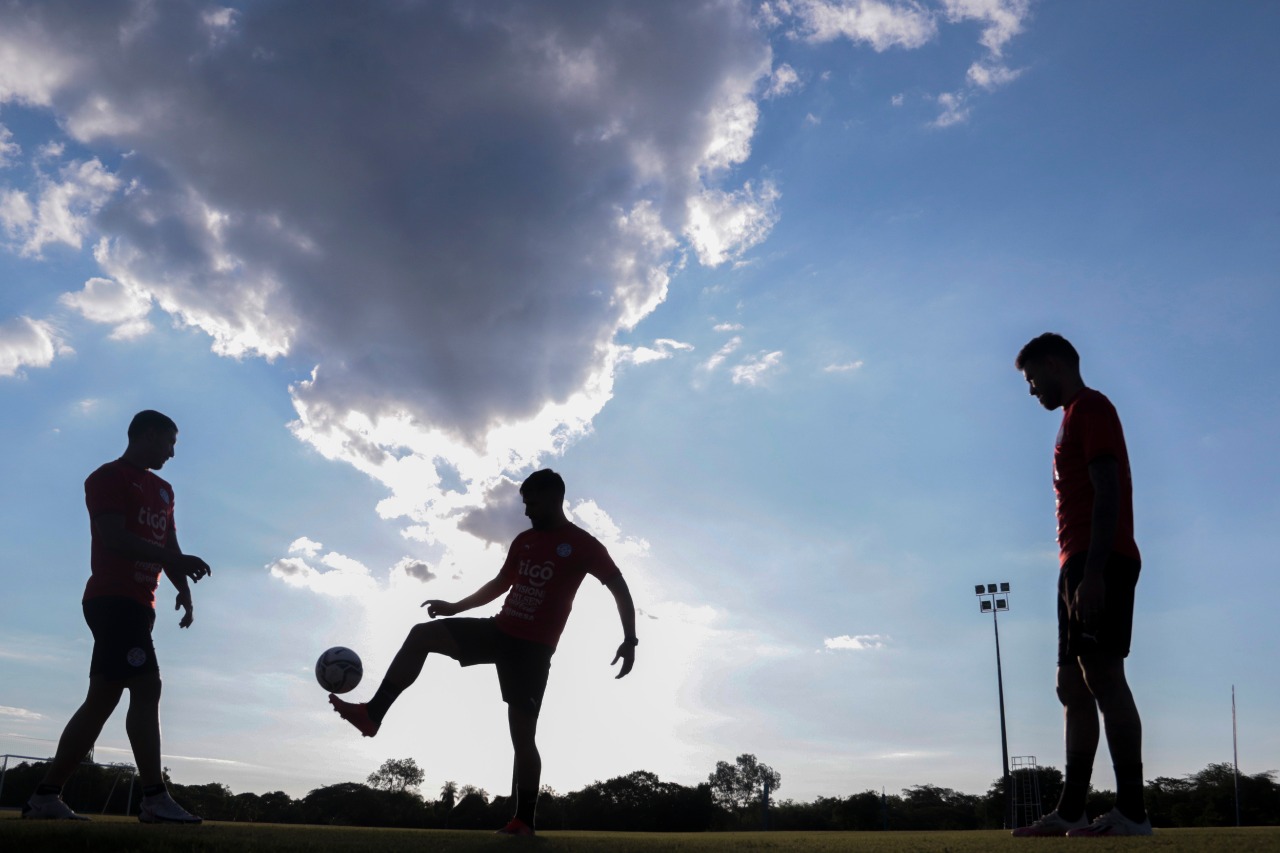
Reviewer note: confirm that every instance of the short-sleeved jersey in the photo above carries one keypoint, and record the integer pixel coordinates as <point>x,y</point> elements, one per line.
<point>146,502</point>
<point>545,568</point>
<point>1090,430</point>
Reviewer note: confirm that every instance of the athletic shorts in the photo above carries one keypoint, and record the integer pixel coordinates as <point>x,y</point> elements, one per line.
<point>122,645</point>
<point>1114,630</point>
<point>523,666</point>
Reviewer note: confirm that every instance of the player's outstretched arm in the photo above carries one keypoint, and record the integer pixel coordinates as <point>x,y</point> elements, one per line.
<point>627,613</point>
<point>479,598</point>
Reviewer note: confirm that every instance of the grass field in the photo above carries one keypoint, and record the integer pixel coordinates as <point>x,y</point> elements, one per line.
<point>121,835</point>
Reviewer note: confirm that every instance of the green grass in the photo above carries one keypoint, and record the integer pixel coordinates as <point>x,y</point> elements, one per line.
<point>121,835</point>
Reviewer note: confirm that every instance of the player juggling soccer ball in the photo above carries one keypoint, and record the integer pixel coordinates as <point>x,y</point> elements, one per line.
<point>133,542</point>
<point>1099,566</point>
<point>543,570</point>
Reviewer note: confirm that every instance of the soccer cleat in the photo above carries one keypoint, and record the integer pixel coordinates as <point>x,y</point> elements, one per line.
<point>355,714</point>
<point>49,807</point>
<point>160,808</point>
<point>516,827</point>
<point>1113,823</point>
<point>1052,825</point>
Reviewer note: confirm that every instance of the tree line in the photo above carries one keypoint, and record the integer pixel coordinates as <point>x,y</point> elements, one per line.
<point>733,797</point>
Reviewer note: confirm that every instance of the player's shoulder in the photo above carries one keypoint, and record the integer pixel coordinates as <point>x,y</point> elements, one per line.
<point>1092,402</point>
<point>114,470</point>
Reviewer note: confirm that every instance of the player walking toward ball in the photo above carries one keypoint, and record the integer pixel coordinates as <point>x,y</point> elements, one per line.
<point>544,567</point>
<point>133,541</point>
<point>1099,566</point>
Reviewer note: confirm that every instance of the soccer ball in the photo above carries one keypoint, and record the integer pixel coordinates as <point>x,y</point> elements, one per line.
<point>338,670</point>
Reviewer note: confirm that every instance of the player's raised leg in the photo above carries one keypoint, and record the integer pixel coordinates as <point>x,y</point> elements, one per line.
<point>423,639</point>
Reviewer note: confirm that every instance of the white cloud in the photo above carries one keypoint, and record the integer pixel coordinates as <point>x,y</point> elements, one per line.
<point>955,109</point>
<point>860,642</point>
<point>306,547</point>
<point>897,100</point>
<point>910,25</point>
<point>62,209</point>
<point>724,225</point>
<point>19,713</point>
<point>8,148</point>
<point>757,368</point>
<point>1003,19</point>
<point>727,327</point>
<point>843,367</point>
<point>783,81</point>
<point>342,577</point>
<point>723,353</point>
<point>881,25</point>
<point>105,301</point>
<point>662,349</point>
<point>25,342</point>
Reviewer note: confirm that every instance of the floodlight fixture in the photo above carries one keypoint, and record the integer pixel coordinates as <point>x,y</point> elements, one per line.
<point>994,598</point>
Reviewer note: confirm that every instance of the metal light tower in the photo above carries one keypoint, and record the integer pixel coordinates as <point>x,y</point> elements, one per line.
<point>994,598</point>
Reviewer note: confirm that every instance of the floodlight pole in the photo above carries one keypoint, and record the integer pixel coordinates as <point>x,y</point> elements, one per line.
<point>995,597</point>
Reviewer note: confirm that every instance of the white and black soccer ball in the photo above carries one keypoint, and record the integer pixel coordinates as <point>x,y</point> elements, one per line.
<point>339,670</point>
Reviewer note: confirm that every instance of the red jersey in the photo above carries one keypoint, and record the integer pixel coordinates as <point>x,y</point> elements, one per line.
<point>146,502</point>
<point>545,568</point>
<point>1090,430</point>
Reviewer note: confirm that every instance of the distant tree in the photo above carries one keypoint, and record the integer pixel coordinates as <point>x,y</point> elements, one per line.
<point>738,786</point>
<point>397,774</point>
<point>472,809</point>
<point>449,795</point>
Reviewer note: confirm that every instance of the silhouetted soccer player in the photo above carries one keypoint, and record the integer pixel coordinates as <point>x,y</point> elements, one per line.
<point>544,567</point>
<point>133,541</point>
<point>1099,571</point>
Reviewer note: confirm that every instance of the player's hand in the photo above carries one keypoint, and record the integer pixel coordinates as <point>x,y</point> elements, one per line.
<point>626,654</point>
<point>1089,600</point>
<point>184,601</point>
<point>436,607</point>
<point>193,567</point>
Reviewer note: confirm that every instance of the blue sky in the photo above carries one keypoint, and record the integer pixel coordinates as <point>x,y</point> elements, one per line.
<point>752,276</point>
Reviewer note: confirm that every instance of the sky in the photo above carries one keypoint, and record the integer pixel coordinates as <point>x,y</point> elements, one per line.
<point>750,275</point>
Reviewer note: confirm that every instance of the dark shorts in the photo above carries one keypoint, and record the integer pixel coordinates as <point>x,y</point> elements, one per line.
<point>523,666</point>
<point>1114,631</point>
<point>122,645</point>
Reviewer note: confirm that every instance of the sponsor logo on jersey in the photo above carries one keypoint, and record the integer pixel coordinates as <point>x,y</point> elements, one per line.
<point>537,573</point>
<point>158,522</point>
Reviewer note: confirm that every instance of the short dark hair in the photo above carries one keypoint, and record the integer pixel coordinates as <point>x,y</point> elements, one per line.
<point>1048,345</point>
<point>545,480</point>
<point>149,420</point>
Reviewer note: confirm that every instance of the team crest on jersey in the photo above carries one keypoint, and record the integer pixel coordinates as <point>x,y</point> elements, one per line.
<point>564,549</point>
<point>164,495</point>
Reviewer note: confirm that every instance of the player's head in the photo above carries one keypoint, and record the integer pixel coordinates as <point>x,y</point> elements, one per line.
<point>1051,366</point>
<point>543,496</point>
<point>152,436</point>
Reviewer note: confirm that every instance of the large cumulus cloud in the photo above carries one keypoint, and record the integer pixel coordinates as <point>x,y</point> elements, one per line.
<point>449,210</point>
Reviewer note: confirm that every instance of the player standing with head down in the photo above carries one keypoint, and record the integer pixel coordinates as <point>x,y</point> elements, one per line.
<point>1099,566</point>
<point>543,570</point>
<point>133,541</point>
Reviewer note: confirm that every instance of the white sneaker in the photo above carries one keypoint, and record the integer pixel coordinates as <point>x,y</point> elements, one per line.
<point>160,808</point>
<point>1112,823</point>
<point>1052,825</point>
<point>49,807</point>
